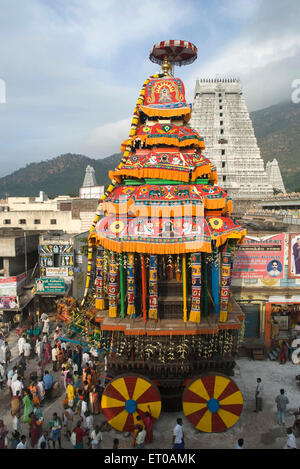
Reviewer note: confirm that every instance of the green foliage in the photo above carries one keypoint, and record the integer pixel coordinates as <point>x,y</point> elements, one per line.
<point>58,176</point>
<point>277,131</point>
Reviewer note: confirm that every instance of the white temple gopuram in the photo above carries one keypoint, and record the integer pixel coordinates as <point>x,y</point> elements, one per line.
<point>221,117</point>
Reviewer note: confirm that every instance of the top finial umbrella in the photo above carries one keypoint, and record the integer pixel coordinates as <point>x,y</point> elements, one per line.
<point>177,52</point>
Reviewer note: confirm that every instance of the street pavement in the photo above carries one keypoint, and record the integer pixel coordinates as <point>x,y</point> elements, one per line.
<point>259,430</point>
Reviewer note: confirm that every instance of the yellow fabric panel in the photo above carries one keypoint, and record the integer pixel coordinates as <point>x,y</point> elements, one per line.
<point>228,418</point>
<point>120,385</point>
<point>235,398</point>
<point>191,407</point>
<point>205,423</point>
<point>198,388</point>
<point>155,408</point>
<point>108,402</point>
<point>141,386</point>
<point>220,384</point>
<point>119,420</point>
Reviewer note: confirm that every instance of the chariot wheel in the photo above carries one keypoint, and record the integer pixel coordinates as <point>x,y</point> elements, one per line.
<point>128,396</point>
<point>212,403</point>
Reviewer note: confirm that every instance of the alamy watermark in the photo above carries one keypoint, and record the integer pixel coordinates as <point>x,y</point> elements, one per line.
<point>2,91</point>
<point>295,96</point>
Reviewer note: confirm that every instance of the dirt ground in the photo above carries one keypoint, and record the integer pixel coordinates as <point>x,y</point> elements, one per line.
<point>259,430</point>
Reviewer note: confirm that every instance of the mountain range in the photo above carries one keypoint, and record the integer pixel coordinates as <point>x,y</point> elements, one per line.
<point>276,129</point>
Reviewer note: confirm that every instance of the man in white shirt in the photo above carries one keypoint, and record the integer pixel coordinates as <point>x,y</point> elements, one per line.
<point>21,343</point>
<point>23,443</point>
<point>140,437</point>
<point>258,395</point>
<point>17,385</point>
<point>291,440</point>
<point>54,358</point>
<point>178,436</point>
<point>85,359</point>
<point>27,350</point>
<point>39,349</point>
<point>43,438</point>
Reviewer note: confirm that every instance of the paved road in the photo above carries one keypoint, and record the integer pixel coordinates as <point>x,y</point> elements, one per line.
<point>260,431</point>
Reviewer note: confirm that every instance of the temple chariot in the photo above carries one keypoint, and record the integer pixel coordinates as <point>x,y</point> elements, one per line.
<point>161,249</point>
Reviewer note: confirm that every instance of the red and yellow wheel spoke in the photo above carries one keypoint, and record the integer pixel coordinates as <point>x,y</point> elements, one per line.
<point>126,397</point>
<point>212,403</point>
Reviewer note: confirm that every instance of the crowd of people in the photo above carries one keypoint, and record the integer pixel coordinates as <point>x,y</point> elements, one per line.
<point>61,369</point>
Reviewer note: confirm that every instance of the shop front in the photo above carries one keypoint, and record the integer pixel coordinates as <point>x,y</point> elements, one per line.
<point>282,322</point>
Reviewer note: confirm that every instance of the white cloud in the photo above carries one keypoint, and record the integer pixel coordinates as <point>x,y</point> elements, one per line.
<point>107,139</point>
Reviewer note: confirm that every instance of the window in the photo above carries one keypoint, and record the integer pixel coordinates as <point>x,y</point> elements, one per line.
<point>53,221</point>
<point>221,131</point>
<point>223,164</point>
<point>220,94</point>
<point>220,100</point>
<point>22,221</point>
<point>37,222</point>
<point>222,152</point>
<point>221,114</point>
<point>6,222</point>
<point>221,122</point>
<point>220,107</point>
<point>224,178</point>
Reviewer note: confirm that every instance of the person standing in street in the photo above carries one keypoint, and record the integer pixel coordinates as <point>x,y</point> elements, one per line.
<point>258,395</point>
<point>240,444</point>
<point>178,436</point>
<point>291,440</point>
<point>23,443</point>
<point>54,358</point>
<point>281,401</point>
<point>48,383</point>
<point>27,350</point>
<point>21,343</point>
<point>140,437</point>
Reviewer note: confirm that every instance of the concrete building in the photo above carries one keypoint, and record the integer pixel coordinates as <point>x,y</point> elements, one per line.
<point>18,266</point>
<point>62,268</point>
<point>69,214</point>
<point>221,117</point>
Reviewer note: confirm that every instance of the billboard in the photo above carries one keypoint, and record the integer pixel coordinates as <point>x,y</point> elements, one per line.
<point>49,285</point>
<point>9,286</point>
<point>9,302</point>
<point>260,258</point>
<point>294,255</point>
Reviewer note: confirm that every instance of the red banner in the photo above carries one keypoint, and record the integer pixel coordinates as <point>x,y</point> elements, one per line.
<point>260,258</point>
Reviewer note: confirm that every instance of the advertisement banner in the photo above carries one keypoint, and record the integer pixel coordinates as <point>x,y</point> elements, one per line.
<point>9,302</point>
<point>49,285</point>
<point>57,272</point>
<point>260,258</point>
<point>9,285</point>
<point>294,255</point>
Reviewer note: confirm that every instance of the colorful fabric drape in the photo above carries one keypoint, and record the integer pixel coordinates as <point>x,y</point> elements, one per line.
<point>100,301</point>
<point>130,285</point>
<point>184,285</point>
<point>215,280</point>
<point>113,286</point>
<point>153,290</point>
<point>195,314</point>
<point>144,288</point>
<point>225,283</point>
<point>122,291</point>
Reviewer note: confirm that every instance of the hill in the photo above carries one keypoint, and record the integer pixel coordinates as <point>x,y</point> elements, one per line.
<point>58,176</point>
<point>277,131</point>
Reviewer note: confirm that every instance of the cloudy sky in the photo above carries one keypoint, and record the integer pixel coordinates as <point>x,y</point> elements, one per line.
<point>71,70</point>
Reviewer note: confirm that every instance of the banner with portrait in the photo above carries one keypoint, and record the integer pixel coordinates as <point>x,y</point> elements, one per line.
<point>294,255</point>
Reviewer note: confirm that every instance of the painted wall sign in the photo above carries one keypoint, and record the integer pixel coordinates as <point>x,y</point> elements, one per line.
<point>260,258</point>
<point>49,285</point>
